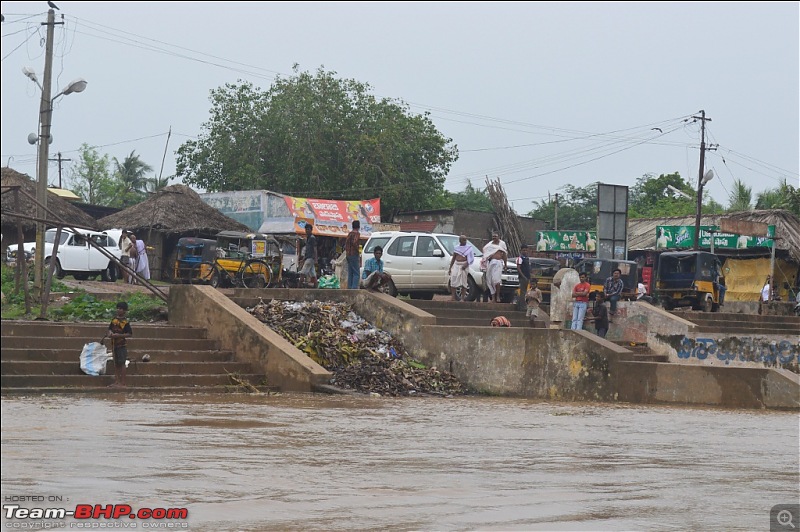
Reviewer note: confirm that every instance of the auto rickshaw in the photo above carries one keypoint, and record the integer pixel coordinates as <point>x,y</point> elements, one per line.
<point>690,278</point>
<point>192,251</point>
<point>246,259</point>
<point>598,270</point>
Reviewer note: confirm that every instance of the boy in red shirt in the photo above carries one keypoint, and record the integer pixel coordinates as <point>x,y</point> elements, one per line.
<point>581,296</point>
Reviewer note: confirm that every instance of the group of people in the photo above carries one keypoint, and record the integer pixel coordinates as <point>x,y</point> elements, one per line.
<point>602,316</point>
<point>133,257</point>
<point>371,277</point>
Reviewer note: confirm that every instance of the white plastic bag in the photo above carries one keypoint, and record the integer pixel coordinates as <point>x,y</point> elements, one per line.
<point>94,358</point>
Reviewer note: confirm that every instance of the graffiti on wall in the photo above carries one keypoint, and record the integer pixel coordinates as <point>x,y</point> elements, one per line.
<point>746,349</point>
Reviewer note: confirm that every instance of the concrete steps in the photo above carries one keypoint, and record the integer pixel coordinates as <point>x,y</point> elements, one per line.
<point>472,314</point>
<point>641,353</point>
<point>742,324</point>
<point>45,357</point>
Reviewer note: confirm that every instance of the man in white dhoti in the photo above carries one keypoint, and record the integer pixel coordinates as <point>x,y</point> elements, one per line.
<point>463,256</point>
<point>495,253</point>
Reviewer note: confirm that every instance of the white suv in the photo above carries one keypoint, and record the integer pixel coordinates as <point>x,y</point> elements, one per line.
<point>418,263</point>
<point>79,259</point>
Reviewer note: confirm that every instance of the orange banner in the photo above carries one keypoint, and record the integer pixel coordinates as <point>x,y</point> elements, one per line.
<point>334,217</point>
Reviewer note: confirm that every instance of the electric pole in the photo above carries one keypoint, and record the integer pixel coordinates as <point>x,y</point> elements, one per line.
<point>555,206</point>
<point>45,110</point>
<point>60,160</point>
<point>700,176</point>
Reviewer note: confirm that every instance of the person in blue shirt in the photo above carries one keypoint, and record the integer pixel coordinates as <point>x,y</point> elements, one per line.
<point>613,288</point>
<point>373,277</point>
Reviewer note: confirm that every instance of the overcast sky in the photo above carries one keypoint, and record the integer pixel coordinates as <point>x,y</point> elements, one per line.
<point>539,95</point>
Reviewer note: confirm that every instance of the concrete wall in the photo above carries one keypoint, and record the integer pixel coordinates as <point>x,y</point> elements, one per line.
<point>541,363</point>
<point>729,387</point>
<point>681,341</point>
<point>251,341</point>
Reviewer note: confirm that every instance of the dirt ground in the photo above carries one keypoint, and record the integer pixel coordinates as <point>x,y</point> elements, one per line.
<point>100,287</point>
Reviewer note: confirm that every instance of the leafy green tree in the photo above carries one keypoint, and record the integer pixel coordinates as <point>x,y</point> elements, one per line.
<point>471,199</point>
<point>131,180</point>
<point>741,198</point>
<point>577,208</point>
<point>91,178</point>
<point>318,135</point>
<point>651,197</point>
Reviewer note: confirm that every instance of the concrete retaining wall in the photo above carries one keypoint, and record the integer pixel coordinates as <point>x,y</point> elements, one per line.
<point>285,366</point>
<point>678,339</point>
<point>729,387</point>
<point>540,363</point>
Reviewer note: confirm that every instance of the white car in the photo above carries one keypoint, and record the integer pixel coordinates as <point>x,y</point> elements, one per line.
<point>418,263</point>
<point>79,259</point>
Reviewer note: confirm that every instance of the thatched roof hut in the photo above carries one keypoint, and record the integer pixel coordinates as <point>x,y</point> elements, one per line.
<point>62,208</point>
<point>642,231</point>
<point>173,212</point>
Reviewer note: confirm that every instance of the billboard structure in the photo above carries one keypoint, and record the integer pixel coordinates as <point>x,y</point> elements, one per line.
<point>612,221</point>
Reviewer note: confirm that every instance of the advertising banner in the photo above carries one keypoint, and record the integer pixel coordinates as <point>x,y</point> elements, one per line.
<point>682,237</point>
<point>568,241</point>
<point>334,217</point>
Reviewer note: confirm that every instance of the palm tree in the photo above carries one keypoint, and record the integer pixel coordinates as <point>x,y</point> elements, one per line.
<point>131,178</point>
<point>784,196</point>
<point>741,199</point>
<point>155,184</point>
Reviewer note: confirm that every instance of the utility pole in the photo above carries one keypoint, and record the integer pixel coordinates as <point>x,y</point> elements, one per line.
<point>60,160</point>
<point>45,111</point>
<point>555,205</point>
<point>700,176</point>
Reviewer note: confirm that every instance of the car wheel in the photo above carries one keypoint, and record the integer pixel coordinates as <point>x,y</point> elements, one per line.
<point>473,291</point>
<point>389,289</point>
<point>506,297</point>
<point>58,273</point>
<point>668,305</point>
<point>708,305</point>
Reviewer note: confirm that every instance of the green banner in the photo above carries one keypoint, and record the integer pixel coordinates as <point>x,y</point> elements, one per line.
<point>566,241</point>
<point>682,236</point>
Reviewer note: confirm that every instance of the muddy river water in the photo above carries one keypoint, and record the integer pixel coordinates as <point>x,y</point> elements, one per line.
<point>317,462</point>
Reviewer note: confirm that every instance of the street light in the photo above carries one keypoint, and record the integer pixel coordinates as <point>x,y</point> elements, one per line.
<point>46,114</point>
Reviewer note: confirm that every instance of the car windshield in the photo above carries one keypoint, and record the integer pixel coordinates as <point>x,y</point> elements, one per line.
<point>50,237</point>
<point>376,241</point>
<point>451,241</point>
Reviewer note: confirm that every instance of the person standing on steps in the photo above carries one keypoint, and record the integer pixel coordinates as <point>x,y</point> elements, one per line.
<point>581,296</point>
<point>462,257</point>
<point>600,316</point>
<point>495,254</point>
<point>533,298</point>
<point>613,288</point>
<point>125,255</point>
<point>309,270</point>
<point>119,330</point>
<point>524,273</point>
<point>353,256</point>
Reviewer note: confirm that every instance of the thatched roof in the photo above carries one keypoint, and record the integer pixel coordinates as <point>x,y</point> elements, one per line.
<point>59,206</point>
<point>642,231</point>
<point>176,209</point>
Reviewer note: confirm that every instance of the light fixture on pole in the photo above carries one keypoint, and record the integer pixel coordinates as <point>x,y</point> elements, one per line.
<point>45,122</point>
<point>708,176</point>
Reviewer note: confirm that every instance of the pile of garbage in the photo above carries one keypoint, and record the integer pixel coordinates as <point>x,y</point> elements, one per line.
<point>360,356</point>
